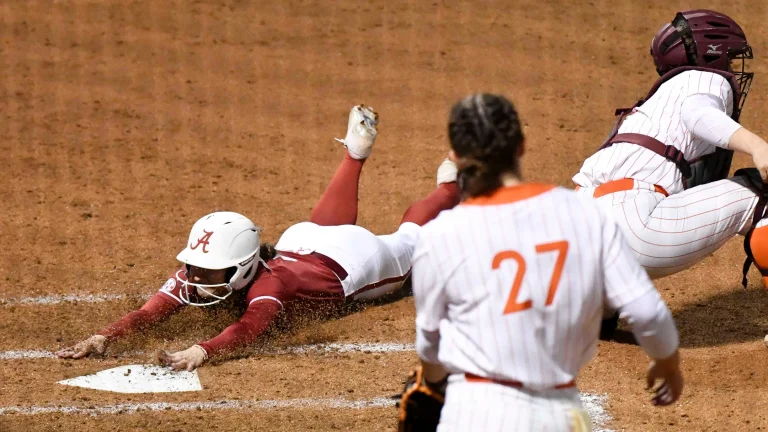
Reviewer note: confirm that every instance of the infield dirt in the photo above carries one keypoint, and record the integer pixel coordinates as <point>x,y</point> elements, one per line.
<point>121,123</point>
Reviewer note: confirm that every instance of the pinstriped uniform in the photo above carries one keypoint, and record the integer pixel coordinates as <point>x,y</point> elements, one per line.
<point>515,284</point>
<point>669,234</point>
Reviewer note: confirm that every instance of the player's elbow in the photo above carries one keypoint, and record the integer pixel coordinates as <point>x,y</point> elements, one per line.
<point>652,325</point>
<point>428,345</point>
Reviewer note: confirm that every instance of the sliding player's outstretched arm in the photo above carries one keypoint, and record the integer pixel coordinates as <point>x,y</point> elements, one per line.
<point>265,302</point>
<point>158,308</point>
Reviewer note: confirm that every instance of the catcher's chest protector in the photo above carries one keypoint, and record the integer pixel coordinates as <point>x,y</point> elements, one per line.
<point>705,169</point>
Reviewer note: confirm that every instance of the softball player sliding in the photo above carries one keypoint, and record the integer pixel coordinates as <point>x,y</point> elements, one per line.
<point>510,288</point>
<point>663,170</point>
<point>315,267</point>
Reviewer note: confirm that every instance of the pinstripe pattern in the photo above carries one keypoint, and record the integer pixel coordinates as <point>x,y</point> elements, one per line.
<point>659,117</point>
<point>491,408</point>
<point>671,234</point>
<point>459,294</point>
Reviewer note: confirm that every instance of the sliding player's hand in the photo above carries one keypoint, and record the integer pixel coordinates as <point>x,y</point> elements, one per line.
<point>95,344</point>
<point>189,359</point>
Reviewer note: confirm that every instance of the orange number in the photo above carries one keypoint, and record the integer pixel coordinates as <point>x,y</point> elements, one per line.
<point>561,247</point>
<point>513,305</point>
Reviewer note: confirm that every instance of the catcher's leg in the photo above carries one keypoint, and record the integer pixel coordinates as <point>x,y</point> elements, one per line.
<point>670,234</point>
<point>338,204</point>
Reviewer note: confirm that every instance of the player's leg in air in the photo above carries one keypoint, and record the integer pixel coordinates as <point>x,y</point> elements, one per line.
<point>371,266</point>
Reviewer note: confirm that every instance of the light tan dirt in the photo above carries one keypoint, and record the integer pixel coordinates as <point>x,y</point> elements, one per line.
<point>123,122</point>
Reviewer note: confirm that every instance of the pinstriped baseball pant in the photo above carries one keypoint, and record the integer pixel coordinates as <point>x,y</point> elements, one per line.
<point>670,234</point>
<point>490,407</point>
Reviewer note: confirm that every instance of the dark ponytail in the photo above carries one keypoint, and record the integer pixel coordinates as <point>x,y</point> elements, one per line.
<point>267,251</point>
<point>485,133</point>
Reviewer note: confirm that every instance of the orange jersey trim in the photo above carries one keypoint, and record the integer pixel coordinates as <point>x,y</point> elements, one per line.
<point>510,194</point>
<point>621,185</point>
<point>472,378</point>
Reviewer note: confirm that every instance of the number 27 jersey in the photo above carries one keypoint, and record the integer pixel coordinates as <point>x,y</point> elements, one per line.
<point>516,283</point>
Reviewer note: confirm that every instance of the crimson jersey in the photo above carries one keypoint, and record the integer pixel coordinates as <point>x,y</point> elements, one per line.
<point>293,282</point>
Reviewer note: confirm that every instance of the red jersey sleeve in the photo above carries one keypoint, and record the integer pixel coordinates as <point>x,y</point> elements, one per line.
<point>159,307</point>
<point>265,301</point>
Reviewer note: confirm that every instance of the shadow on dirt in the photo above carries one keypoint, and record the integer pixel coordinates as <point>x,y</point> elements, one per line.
<point>733,317</point>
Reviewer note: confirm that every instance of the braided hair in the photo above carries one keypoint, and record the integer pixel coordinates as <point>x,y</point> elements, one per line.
<point>485,133</point>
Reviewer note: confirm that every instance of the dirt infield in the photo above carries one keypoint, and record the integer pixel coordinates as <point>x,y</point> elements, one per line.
<point>123,122</point>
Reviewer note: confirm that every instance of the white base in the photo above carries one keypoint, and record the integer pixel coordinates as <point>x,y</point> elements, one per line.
<point>138,379</point>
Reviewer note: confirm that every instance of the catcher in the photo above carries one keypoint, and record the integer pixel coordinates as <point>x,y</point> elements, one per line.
<point>508,308</point>
<point>315,266</point>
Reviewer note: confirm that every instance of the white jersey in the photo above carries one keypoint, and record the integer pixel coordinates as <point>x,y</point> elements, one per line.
<point>659,117</point>
<point>516,284</point>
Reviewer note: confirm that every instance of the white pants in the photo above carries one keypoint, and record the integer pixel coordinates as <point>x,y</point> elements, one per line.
<point>492,407</point>
<point>376,265</point>
<point>670,234</point>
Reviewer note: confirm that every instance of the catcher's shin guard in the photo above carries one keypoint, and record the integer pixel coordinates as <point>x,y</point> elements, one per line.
<point>756,240</point>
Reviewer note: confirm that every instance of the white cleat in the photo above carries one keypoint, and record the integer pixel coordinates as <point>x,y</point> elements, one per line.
<point>447,172</point>
<point>361,131</point>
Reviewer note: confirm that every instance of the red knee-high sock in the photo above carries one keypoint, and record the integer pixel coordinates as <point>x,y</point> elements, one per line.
<point>445,197</point>
<point>338,205</point>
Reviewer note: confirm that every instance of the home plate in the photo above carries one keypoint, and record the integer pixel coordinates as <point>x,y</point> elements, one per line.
<point>138,379</point>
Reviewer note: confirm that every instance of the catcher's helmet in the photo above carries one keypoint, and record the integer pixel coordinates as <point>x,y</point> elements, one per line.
<point>703,38</point>
<point>221,240</point>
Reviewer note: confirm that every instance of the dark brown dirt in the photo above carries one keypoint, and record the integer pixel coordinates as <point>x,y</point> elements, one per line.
<point>123,122</point>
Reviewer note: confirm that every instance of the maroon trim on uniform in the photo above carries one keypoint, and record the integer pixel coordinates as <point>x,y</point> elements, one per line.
<point>669,152</point>
<point>472,378</point>
<point>382,283</point>
<point>331,264</point>
<point>328,262</point>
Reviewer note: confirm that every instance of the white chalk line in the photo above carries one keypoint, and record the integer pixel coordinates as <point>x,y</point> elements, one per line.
<point>327,348</point>
<point>592,403</point>
<point>55,299</point>
<point>333,403</point>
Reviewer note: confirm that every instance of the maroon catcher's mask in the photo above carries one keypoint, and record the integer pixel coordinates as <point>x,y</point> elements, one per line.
<point>704,38</point>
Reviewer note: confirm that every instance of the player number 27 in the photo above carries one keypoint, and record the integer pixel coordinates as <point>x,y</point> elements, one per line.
<point>513,304</point>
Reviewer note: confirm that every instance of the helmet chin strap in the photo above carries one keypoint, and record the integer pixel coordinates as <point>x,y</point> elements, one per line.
<point>185,295</point>
<point>680,23</point>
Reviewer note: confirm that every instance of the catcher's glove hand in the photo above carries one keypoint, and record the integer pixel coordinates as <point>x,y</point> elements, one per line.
<point>420,404</point>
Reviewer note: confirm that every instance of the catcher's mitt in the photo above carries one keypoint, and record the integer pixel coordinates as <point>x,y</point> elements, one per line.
<point>420,404</point>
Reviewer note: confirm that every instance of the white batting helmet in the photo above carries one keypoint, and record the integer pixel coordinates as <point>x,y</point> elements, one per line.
<point>222,240</point>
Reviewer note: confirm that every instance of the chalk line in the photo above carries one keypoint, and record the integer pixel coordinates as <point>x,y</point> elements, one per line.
<point>131,408</point>
<point>55,299</point>
<point>367,348</point>
<point>593,404</point>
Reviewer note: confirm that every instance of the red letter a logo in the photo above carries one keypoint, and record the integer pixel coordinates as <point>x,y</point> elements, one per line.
<point>203,241</point>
